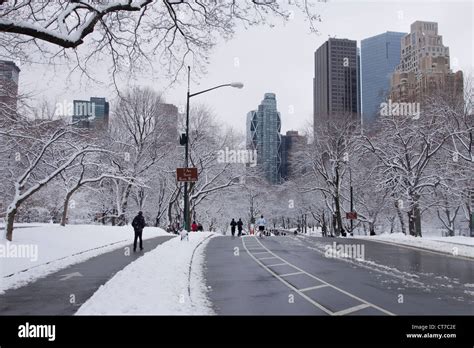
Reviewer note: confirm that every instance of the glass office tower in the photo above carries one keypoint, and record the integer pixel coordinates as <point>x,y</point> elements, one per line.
<point>380,56</point>
<point>263,135</point>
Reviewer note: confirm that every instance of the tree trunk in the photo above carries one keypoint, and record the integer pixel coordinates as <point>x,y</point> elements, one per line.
<point>372,228</point>
<point>10,220</point>
<point>66,207</point>
<point>338,227</point>
<point>414,221</point>
<point>121,219</point>
<point>400,217</point>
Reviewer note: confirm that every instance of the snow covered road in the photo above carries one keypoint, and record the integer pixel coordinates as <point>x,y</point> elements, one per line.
<point>303,275</point>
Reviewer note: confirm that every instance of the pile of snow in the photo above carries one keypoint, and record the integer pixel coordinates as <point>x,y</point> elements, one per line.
<point>159,283</point>
<point>41,249</point>
<point>457,245</point>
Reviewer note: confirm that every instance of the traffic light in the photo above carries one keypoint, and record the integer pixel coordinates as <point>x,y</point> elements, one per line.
<point>183,139</point>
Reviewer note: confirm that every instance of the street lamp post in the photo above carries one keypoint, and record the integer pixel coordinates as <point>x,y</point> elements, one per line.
<point>352,199</point>
<point>186,146</point>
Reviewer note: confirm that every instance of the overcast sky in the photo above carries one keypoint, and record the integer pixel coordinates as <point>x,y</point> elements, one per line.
<point>280,60</point>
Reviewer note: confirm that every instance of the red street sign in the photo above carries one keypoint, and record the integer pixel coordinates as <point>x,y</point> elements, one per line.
<point>352,215</point>
<point>186,174</point>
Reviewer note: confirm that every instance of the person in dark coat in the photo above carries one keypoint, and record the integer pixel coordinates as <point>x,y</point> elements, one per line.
<point>240,227</point>
<point>232,227</point>
<point>138,225</point>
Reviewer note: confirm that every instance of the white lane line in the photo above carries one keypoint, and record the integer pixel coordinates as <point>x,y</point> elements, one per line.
<point>290,274</point>
<point>390,272</point>
<point>314,287</point>
<point>268,258</point>
<point>462,257</point>
<point>352,309</point>
<point>324,309</point>
<point>324,282</point>
<point>278,264</point>
<point>260,252</point>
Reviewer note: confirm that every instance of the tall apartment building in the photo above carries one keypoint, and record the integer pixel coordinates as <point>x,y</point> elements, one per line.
<point>263,135</point>
<point>336,80</point>
<point>169,120</point>
<point>380,56</point>
<point>93,113</point>
<point>424,67</point>
<point>292,157</point>
<point>9,79</point>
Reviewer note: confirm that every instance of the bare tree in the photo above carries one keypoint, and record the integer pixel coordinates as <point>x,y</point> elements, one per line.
<point>43,150</point>
<point>129,32</point>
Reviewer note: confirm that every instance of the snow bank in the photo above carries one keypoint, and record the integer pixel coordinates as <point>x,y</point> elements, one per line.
<point>159,283</point>
<point>458,245</point>
<point>42,249</point>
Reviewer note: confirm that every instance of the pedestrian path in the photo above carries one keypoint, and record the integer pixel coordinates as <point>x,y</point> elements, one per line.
<point>63,292</point>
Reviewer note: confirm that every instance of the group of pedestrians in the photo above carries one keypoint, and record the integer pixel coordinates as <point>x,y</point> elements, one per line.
<point>240,227</point>
<point>196,227</point>
<point>139,224</point>
<point>260,223</point>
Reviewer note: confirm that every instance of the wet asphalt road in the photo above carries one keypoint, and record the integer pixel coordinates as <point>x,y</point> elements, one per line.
<point>294,276</point>
<point>53,295</point>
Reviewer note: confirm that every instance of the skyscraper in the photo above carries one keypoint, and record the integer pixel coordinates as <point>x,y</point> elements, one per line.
<point>9,78</point>
<point>336,84</point>
<point>292,156</point>
<point>93,113</point>
<point>263,135</point>
<point>424,66</point>
<point>169,123</point>
<point>380,56</point>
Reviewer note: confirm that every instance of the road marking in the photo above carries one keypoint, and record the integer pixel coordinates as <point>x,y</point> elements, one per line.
<point>324,309</point>
<point>352,309</point>
<point>420,248</point>
<point>69,276</point>
<point>278,264</point>
<point>320,306</point>
<point>261,252</point>
<point>268,258</point>
<point>314,287</point>
<point>290,274</point>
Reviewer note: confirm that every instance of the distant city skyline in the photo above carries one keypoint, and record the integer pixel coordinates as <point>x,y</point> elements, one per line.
<point>272,60</point>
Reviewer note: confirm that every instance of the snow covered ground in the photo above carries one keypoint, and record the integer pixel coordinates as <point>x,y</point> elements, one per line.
<point>159,283</point>
<point>41,249</point>
<point>457,246</point>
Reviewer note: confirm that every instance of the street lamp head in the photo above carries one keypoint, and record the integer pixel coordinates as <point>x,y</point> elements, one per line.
<point>237,85</point>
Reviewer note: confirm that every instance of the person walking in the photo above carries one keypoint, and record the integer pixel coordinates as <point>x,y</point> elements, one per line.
<point>261,223</point>
<point>232,227</point>
<point>138,225</point>
<point>194,226</point>
<point>240,226</point>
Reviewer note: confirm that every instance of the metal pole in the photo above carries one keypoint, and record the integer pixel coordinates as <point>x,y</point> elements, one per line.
<point>186,157</point>
<point>352,199</point>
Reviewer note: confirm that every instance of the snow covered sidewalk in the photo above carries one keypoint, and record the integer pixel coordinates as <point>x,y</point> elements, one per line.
<point>159,283</point>
<point>456,246</point>
<point>43,249</point>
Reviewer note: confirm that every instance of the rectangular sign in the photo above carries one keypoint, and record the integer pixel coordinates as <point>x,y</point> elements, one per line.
<point>186,174</point>
<point>352,215</point>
